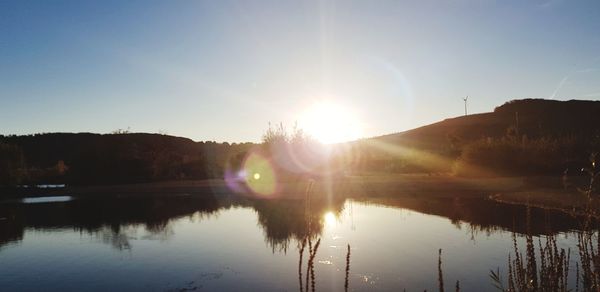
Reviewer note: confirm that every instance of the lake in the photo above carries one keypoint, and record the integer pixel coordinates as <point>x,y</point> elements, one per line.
<point>230,243</point>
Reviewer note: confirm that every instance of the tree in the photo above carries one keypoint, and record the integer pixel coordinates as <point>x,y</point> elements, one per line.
<point>11,165</point>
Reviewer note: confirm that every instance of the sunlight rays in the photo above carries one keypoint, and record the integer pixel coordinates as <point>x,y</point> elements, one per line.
<point>428,161</point>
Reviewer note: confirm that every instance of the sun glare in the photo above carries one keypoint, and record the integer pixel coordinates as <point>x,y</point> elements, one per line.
<point>330,123</point>
<point>329,219</point>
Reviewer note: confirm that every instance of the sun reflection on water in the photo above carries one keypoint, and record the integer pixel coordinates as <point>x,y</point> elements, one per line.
<point>329,219</point>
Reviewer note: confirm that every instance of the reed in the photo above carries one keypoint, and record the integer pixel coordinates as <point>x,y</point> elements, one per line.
<point>308,264</point>
<point>589,253</point>
<point>311,264</point>
<point>440,273</point>
<point>301,253</point>
<point>526,274</point>
<point>347,269</point>
<point>309,277</point>
<point>312,250</point>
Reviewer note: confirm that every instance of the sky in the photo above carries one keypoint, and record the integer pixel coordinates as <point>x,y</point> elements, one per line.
<point>222,70</point>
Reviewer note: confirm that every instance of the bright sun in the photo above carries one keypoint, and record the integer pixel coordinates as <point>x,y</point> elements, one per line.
<point>330,123</point>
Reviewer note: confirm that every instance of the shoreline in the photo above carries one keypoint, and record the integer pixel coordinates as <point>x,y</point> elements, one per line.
<point>540,192</point>
<point>347,186</point>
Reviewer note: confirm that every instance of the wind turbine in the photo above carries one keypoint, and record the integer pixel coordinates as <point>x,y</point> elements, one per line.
<point>465,100</point>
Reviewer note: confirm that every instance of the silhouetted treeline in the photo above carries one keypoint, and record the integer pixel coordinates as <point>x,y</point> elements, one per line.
<point>523,137</point>
<point>11,164</point>
<point>112,158</point>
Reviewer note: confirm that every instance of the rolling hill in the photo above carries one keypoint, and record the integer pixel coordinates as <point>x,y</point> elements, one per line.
<point>533,118</point>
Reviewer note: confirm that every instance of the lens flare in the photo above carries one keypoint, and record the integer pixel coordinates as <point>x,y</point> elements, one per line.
<point>260,178</point>
<point>301,156</point>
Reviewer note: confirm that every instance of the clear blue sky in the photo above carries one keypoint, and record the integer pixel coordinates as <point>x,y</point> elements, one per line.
<point>221,70</point>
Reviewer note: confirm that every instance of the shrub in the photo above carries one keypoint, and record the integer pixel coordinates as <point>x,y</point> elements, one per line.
<point>11,165</point>
<point>510,156</point>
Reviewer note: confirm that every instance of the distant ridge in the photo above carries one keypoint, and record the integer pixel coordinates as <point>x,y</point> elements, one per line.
<point>532,117</point>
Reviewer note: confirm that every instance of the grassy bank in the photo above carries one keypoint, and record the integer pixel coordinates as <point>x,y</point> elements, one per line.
<point>347,186</point>
<point>568,201</point>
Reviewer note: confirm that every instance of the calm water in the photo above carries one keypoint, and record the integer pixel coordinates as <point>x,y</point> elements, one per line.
<point>228,243</point>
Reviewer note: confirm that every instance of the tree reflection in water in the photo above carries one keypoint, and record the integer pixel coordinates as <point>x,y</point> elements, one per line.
<point>283,221</point>
<point>298,222</point>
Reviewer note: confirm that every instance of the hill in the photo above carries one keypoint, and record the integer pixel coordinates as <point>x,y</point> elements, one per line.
<point>533,118</point>
<point>558,134</point>
<point>86,158</point>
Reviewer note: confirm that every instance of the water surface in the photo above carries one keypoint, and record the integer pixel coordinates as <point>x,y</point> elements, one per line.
<point>53,199</point>
<point>228,243</point>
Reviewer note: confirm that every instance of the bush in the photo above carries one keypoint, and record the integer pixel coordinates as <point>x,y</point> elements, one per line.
<point>509,156</point>
<point>12,170</point>
<point>293,154</point>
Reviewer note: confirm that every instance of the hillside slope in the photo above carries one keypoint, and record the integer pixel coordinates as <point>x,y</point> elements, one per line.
<point>86,158</point>
<point>533,118</point>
